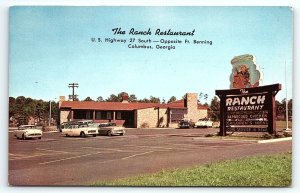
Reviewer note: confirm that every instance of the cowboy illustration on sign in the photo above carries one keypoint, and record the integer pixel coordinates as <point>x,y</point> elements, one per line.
<point>245,72</point>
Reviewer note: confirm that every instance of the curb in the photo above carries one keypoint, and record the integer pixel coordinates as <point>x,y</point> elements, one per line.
<point>275,140</point>
<point>214,139</point>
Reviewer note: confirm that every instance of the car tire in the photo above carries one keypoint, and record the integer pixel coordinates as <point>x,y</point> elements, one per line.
<point>94,135</point>
<point>82,134</point>
<point>108,133</point>
<point>40,138</point>
<point>122,134</point>
<point>23,137</point>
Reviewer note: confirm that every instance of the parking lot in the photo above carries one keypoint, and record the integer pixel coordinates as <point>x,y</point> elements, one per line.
<point>59,160</point>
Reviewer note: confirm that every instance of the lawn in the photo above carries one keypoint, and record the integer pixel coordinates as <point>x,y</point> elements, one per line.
<point>271,170</point>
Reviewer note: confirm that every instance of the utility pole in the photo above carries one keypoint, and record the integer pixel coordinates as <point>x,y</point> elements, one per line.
<point>73,86</point>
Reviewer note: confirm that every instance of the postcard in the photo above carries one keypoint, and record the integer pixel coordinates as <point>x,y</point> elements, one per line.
<point>150,96</point>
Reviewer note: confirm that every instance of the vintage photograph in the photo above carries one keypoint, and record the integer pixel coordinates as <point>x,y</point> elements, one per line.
<point>163,96</point>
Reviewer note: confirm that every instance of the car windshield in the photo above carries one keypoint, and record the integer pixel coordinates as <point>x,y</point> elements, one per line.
<point>86,122</point>
<point>205,119</point>
<point>27,127</point>
<point>112,124</point>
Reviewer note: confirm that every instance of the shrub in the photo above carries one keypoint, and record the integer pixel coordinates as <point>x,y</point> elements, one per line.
<point>145,125</point>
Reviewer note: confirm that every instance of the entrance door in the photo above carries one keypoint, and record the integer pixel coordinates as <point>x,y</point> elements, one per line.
<point>128,116</point>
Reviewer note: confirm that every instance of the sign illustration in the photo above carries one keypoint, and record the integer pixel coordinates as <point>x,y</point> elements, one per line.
<point>245,72</point>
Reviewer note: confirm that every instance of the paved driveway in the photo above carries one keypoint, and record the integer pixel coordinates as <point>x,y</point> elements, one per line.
<point>58,160</point>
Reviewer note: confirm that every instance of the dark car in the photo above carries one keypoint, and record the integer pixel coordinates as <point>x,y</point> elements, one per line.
<point>186,124</point>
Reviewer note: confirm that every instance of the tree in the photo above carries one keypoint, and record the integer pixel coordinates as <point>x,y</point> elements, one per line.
<point>214,111</point>
<point>88,99</point>
<point>154,99</point>
<point>145,100</point>
<point>100,99</point>
<point>172,99</point>
<point>22,109</point>
<point>114,98</point>
<point>132,98</point>
<point>202,96</point>
<point>205,98</point>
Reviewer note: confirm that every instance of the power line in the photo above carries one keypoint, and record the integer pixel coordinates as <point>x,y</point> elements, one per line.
<point>73,86</point>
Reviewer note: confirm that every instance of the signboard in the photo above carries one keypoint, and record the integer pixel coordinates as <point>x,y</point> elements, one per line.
<point>248,109</point>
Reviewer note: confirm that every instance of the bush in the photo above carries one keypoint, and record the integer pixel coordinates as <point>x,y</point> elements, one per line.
<point>287,134</point>
<point>145,125</point>
<point>267,136</point>
<point>209,135</point>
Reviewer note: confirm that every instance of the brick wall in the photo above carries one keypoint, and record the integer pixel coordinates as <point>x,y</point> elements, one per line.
<point>150,118</point>
<point>192,108</point>
<point>64,116</point>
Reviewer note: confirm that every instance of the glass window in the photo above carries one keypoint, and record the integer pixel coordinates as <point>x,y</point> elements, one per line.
<point>98,115</point>
<point>119,115</point>
<point>109,115</point>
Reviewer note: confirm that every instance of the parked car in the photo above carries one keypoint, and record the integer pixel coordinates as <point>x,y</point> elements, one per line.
<point>110,129</point>
<point>205,122</point>
<point>28,131</point>
<point>79,129</point>
<point>185,123</point>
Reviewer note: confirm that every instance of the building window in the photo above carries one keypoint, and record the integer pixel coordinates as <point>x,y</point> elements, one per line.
<point>80,114</point>
<point>109,115</point>
<point>177,114</point>
<point>98,115</point>
<point>88,115</point>
<point>103,115</point>
<point>119,115</point>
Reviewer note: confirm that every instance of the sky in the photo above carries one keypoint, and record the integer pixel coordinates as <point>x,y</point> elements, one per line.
<point>50,47</point>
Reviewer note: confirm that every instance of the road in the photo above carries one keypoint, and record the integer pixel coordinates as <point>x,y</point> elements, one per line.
<point>57,160</point>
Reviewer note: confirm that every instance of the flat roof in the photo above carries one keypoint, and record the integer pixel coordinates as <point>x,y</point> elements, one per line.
<point>97,105</point>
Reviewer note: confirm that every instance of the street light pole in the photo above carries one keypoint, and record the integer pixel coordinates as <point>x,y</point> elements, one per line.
<point>50,114</point>
<point>286,102</point>
<point>50,109</point>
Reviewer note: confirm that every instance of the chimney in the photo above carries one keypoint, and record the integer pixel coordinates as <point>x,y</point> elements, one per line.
<point>125,97</point>
<point>61,99</point>
<point>191,103</point>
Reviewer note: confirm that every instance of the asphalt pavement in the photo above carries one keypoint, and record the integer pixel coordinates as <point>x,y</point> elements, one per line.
<point>57,160</point>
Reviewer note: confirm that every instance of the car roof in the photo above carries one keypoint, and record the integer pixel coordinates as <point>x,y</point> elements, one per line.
<point>84,121</point>
<point>27,126</point>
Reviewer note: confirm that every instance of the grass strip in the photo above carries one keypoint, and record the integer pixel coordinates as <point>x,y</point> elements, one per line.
<point>270,170</point>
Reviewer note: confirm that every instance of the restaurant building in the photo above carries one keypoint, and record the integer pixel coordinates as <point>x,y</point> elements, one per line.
<point>134,114</point>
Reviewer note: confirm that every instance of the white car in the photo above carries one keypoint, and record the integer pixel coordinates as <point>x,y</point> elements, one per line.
<point>28,131</point>
<point>204,123</point>
<point>110,129</point>
<point>78,129</point>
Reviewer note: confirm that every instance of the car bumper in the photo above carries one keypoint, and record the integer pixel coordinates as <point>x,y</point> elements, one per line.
<point>118,132</point>
<point>33,136</point>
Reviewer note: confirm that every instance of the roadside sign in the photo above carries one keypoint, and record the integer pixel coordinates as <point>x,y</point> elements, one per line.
<point>248,109</point>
